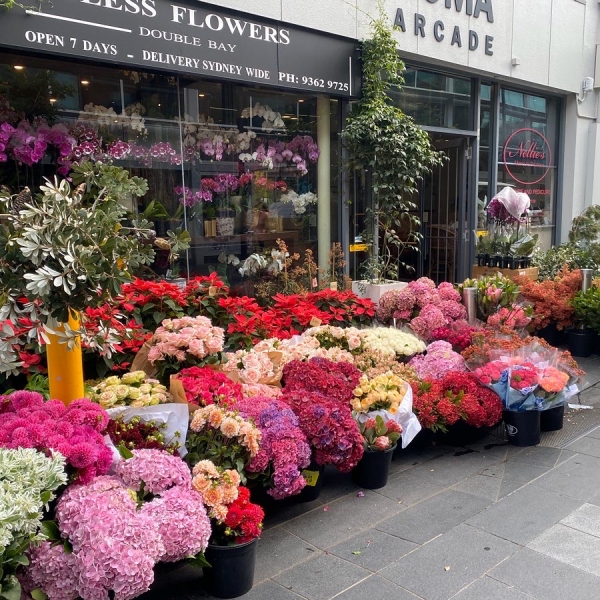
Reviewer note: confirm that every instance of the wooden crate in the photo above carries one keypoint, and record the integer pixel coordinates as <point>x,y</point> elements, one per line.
<point>531,272</point>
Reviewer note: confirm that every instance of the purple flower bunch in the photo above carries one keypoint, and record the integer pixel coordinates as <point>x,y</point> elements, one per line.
<point>76,431</point>
<point>422,306</point>
<point>284,450</point>
<point>226,182</point>
<point>116,543</point>
<point>439,360</point>
<point>498,213</point>
<point>329,427</point>
<point>188,197</point>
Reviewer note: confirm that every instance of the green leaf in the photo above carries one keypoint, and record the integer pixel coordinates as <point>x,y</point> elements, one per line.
<point>37,594</point>
<point>11,589</point>
<point>124,451</point>
<point>199,560</point>
<point>50,530</point>
<point>21,560</point>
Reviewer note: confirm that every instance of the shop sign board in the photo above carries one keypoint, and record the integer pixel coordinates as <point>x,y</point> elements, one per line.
<point>187,38</point>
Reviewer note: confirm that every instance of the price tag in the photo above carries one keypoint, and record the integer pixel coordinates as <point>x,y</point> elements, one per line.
<point>212,291</point>
<point>315,322</point>
<point>315,283</point>
<point>333,286</point>
<point>311,477</point>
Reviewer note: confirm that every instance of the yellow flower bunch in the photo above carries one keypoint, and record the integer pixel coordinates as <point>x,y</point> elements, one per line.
<point>385,391</point>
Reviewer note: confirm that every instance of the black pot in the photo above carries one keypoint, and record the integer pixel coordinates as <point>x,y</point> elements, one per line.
<point>552,335</point>
<point>508,262</point>
<point>522,428</point>
<point>496,261</point>
<point>480,260</point>
<point>314,482</point>
<point>460,434</point>
<point>581,342</point>
<point>552,419</point>
<point>373,469</point>
<point>231,573</point>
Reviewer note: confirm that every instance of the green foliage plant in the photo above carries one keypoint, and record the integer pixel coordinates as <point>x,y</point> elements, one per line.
<point>587,308</point>
<point>66,250</point>
<point>392,148</point>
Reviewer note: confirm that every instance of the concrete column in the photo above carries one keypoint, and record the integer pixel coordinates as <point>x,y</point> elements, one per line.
<point>324,181</point>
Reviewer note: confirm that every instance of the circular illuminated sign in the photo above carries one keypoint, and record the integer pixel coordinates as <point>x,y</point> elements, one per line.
<point>527,148</point>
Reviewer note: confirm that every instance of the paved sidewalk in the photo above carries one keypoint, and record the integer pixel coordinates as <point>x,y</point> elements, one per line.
<point>482,522</point>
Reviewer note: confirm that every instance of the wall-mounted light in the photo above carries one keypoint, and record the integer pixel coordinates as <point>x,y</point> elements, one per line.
<point>200,95</point>
<point>52,100</point>
<point>18,67</point>
<point>85,82</point>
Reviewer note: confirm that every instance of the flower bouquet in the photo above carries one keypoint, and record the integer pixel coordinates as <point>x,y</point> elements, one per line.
<point>494,292</point>
<point>458,334</point>
<point>189,341</point>
<point>440,403</point>
<point>378,434</point>
<point>230,440</point>
<point>393,343</point>
<point>439,360</point>
<point>131,389</point>
<point>515,316</point>
<point>203,386</point>
<point>284,451</point>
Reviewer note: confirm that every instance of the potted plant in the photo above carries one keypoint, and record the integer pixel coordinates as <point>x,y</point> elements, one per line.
<point>63,251</point>
<point>582,341</point>
<point>393,151</point>
<point>380,440</point>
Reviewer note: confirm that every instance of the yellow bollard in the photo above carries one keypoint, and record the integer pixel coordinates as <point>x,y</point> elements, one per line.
<point>65,365</point>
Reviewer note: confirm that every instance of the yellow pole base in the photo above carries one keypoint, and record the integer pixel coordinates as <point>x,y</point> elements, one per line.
<point>65,366</point>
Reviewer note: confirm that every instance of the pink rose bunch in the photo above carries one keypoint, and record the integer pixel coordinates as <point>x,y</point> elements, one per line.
<point>337,381</point>
<point>284,451</point>
<point>514,317</point>
<point>204,386</point>
<point>439,360</point>
<point>249,390</point>
<point>76,431</point>
<point>380,434</point>
<point>252,366</point>
<point>422,306</point>
<point>192,341</point>
<point>329,427</point>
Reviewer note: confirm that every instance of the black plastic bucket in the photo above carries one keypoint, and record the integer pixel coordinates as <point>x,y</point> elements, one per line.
<point>231,573</point>
<point>373,469</point>
<point>314,482</point>
<point>552,419</point>
<point>522,428</point>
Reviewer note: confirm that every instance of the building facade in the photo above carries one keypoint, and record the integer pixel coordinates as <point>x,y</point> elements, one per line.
<point>234,117</point>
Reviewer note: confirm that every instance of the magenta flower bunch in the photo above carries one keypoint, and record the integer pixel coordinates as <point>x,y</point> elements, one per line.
<point>336,380</point>
<point>76,431</point>
<point>284,450</point>
<point>439,359</point>
<point>422,306</point>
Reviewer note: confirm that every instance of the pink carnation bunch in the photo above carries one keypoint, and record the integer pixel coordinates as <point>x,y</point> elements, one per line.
<point>284,451</point>
<point>76,431</point>
<point>204,386</point>
<point>439,360</point>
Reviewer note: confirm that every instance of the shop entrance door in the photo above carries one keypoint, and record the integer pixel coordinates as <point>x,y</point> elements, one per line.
<point>443,207</point>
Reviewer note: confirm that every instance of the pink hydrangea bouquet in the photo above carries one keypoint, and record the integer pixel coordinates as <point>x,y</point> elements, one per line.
<point>189,341</point>
<point>284,450</point>
<point>76,431</point>
<point>422,306</point>
<point>439,360</point>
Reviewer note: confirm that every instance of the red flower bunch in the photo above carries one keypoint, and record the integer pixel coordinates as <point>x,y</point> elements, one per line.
<point>284,451</point>
<point>346,308</point>
<point>329,427</point>
<point>76,431</point>
<point>524,376</point>
<point>204,386</point>
<point>336,380</point>
<point>440,403</point>
<point>137,435</point>
<point>203,295</point>
<point>458,334</point>
<point>300,308</point>
<point>244,520</point>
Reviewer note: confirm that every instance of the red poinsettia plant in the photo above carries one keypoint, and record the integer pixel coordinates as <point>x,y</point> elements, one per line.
<point>440,403</point>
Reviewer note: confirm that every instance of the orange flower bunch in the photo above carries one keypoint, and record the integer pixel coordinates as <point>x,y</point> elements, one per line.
<point>218,487</point>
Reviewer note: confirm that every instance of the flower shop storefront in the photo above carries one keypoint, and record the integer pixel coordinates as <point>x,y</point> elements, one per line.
<point>233,121</point>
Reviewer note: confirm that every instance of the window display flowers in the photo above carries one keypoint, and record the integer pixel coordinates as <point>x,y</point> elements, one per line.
<point>284,451</point>
<point>131,389</point>
<point>379,434</point>
<point>230,440</point>
<point>75,431</point>
<point>439,360</point>
<point>300,202</point>
<point>28,480</point>
<point>203,386</point>
<point>329,428</point>
<point>384,391</point>
<point>189,341</point>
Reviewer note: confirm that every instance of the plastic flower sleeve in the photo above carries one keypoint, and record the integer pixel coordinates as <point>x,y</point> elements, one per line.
<point>175,417</point>
<point>403,416</point>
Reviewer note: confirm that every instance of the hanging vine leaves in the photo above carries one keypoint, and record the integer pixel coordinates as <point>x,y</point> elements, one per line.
<point>392,148</point>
